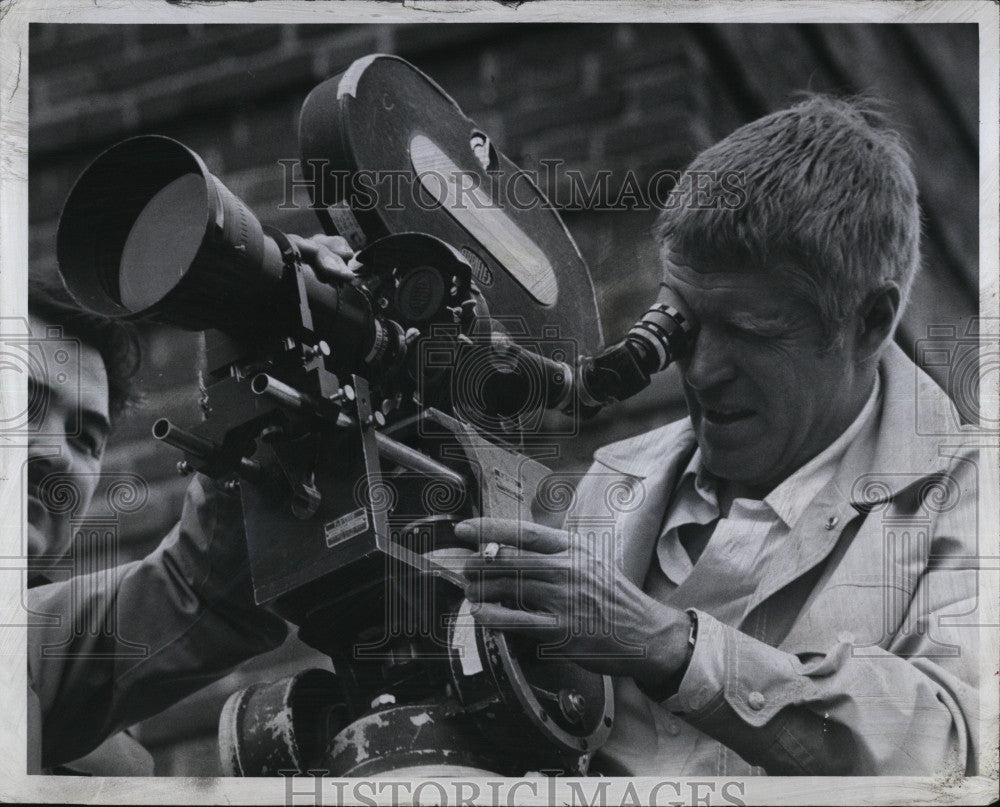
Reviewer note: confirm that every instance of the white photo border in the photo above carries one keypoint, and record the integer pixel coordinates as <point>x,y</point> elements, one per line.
<point>15,16</point>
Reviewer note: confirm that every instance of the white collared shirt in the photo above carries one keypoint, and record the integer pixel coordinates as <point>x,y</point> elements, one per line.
<point>744,541</point>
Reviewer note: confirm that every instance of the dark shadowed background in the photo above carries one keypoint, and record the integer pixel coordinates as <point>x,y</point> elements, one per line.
<point>622,97</point>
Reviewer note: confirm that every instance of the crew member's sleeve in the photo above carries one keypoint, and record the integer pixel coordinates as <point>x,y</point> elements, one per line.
<point>907,707</point>
<point>124,644</point>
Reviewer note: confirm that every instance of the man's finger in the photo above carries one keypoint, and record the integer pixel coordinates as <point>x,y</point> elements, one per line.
<point>519,593</point>
<point>512,562</point>
<point>522,534</point>
<point>328,265</point>
<point>336,244</point>
<point>334,267</point>
<point>306,246</point>
<point>310,246</point>
<point>493,615</point>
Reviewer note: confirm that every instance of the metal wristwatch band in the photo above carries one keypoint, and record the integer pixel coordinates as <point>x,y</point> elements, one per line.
<point>668,686</point>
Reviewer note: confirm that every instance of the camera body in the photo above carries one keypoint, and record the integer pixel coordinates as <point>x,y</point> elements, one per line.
<point>483,380</point>
<point>352,467</point>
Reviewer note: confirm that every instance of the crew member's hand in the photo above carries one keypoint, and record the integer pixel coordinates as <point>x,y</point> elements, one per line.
<point>209,547</point>
<point>330,257</point>
<point>566,592</point>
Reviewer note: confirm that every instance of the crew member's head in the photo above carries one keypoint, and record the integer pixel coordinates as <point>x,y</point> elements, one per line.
<point>794,241</point>
<point>81,369</point>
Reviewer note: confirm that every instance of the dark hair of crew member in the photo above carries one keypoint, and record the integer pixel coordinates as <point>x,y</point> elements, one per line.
<point>116,341</point>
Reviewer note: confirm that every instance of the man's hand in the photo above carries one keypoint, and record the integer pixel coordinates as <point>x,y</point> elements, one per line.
<point>565,591</point>
<point>330,256</point>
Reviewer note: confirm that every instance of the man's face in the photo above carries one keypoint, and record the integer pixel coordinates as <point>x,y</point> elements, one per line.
<point>72,428</point>
<point>763,395</point>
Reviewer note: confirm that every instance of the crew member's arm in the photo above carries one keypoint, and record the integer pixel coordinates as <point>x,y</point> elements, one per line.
<point>134,640</point>
<point>189,605</point>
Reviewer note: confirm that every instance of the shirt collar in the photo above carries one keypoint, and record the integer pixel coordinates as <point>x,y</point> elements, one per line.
<point>790,498</point>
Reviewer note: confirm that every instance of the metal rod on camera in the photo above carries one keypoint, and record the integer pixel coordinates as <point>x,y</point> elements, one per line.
<point>414,460</point>
<point>388,449</point>
<point>278,391</point>
<point>174,435</point>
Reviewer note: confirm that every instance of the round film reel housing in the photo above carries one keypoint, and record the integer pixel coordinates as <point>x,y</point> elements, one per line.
<point>519,698</point>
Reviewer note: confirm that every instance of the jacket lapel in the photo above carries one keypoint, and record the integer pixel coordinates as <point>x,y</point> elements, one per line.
<point>649,465</point>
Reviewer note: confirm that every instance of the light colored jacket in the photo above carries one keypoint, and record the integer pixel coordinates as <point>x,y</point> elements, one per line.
<point>858,652</point>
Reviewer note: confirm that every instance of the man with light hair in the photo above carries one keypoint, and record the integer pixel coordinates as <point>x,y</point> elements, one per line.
<point>785,586</point>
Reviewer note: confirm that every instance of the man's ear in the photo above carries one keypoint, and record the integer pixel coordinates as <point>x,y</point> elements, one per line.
<point>878,315</point>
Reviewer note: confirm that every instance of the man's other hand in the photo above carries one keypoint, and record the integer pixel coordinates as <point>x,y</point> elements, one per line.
<point>330,257</point>
<point>562,589</point>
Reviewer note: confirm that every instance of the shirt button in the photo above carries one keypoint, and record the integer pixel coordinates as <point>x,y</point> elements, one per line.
<point>698,699</point>
<point>756,701</point>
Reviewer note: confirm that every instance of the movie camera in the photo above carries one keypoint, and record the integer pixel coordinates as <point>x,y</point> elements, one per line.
<point>361,420</point>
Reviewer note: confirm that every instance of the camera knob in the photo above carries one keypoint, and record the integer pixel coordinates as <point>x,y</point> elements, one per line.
<point>321,348</point>
<point>344,396</point>
<point>572,704</point>
<point>376,418</point>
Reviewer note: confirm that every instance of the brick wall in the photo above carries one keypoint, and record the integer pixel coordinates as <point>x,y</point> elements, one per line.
<point>620,97</point>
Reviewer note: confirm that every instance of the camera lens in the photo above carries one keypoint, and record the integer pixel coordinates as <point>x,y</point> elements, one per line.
<point>148,231</point>
<point>163,242</point>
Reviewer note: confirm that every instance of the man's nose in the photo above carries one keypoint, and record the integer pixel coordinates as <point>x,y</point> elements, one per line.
<point>709,363</point>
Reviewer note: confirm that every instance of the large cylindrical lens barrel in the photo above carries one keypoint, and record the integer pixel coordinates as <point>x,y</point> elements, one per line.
<point>148,231</point>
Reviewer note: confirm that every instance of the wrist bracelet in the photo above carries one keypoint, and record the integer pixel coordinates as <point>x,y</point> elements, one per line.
<point>669,686</point>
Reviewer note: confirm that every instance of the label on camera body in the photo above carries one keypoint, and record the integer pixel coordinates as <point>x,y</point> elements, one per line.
<point>347,526</point>
<point>463,640</point>
<point>347,225</point>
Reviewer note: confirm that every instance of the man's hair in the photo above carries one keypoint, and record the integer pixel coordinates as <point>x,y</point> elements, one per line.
<point>116,341</point>
<point>824,186</point>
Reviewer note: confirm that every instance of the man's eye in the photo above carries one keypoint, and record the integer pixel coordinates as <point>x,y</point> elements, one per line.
<point>743,332</point>
<point>91,444</point>
<point>756,332</point>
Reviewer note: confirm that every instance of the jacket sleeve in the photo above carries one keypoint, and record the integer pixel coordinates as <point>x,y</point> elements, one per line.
<point>907,705</point>
<point>117,646</point>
